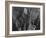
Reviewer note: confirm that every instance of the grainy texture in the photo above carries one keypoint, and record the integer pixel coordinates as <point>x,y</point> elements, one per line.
<point>25,18</point>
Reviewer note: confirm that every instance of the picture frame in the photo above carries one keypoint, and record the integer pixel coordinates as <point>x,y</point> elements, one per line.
<point>10,6</point>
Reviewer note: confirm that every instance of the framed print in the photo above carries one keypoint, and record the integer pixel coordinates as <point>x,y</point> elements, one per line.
<point>24,18</point>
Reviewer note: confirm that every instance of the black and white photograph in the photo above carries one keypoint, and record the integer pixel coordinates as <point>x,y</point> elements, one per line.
<point>25,18</point>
